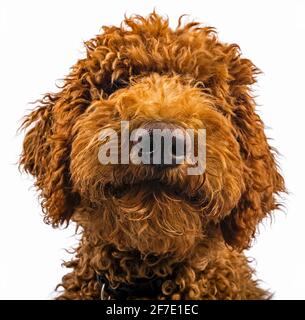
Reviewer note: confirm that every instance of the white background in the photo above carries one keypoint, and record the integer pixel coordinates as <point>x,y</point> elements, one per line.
<point>40,40</point>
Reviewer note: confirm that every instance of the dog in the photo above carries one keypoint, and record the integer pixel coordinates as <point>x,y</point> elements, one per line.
<point>153,231</point>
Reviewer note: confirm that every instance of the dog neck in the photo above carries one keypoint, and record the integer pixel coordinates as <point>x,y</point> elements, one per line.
<point>147,277</point>
<point>127,273</point>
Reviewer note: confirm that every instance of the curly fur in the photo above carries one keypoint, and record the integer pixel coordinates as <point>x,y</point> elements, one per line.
<point>137,221</point>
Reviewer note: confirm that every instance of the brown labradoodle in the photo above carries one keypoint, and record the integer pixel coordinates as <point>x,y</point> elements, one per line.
<point>154,231</point>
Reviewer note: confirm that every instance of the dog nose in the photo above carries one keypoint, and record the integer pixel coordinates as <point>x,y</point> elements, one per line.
<point>166,144</point>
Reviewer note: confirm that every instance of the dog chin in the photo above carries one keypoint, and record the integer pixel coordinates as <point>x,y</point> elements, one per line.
<point>155,222</point>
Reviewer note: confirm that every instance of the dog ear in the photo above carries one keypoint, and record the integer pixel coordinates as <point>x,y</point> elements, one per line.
<point>45,155</point>
<point>261,176</point>
<point>47,143</point>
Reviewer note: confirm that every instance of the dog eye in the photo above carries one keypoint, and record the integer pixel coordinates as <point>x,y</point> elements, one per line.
<point>194,199</point>
<point>220,109</point>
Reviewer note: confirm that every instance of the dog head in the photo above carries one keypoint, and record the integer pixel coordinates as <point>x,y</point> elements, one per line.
<point>154,78</point>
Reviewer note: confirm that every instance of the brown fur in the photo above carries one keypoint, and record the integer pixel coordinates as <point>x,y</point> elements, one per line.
<point>137,221</point>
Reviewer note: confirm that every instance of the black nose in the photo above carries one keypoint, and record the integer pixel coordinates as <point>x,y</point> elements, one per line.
<point>167,144</point>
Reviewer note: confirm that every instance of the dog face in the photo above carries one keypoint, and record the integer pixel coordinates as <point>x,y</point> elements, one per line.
<point>161,208</point>
<point>154,77</point>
